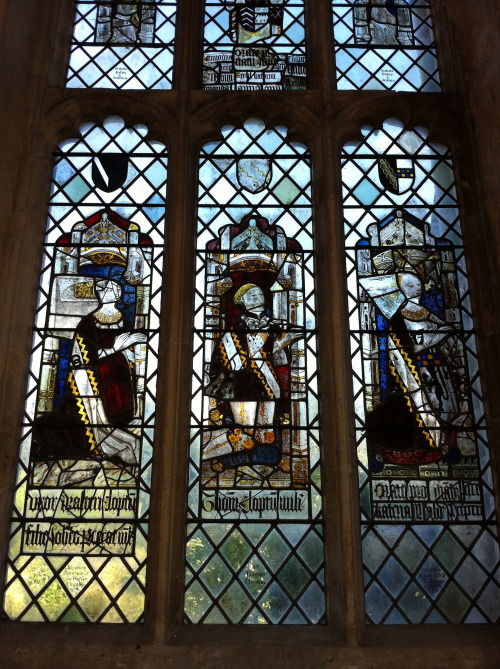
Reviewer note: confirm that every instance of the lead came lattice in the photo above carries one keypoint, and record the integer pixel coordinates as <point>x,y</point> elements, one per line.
<point>125,45</point>
<point>252,45</point>
<point>254,539</point>
<point>430,548</point>
<point>80,518</point>
<point>385,44</point>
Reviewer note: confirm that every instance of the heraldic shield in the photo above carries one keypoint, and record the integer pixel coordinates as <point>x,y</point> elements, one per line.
<point>254,174</point>
<point>109,171</point>
<point>396,174</point>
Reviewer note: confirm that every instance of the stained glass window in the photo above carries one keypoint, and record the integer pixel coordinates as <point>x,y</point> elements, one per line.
<point>254,545</point>
<point>252,45</point>
<point>126,45</point>
<point>385,44</point>
<point>80,517</point>
<point>430,548</point>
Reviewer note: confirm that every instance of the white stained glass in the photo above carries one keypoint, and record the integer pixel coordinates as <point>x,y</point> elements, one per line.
<point>254,45</point>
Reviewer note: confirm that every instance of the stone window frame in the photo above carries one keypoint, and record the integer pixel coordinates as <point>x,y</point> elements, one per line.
<point>39,113</point>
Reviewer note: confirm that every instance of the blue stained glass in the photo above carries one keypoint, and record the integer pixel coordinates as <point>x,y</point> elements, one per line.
<point>377,603</point>
<point>374,552</point>
<point>154,208</point>
<point>366,193</point>
<point>276,602</point>
<point>475,617</point>
<point>414,604</point>
<point>431,577</point>
<point>295,618</point>
<point>487,551</point>
<point>471,576</point>
<point>393,576</point>
<point>313,603</point>
<point>428,533</point>
<point>435,618</point>
<point>395,618</point>
<point>311,551</point>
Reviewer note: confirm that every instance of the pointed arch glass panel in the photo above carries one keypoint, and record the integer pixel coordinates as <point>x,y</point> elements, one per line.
<point>429,538</point>
<point>79,526</point>
<point>254,535</point>
<point>385,44</point>
<point>125,45</point>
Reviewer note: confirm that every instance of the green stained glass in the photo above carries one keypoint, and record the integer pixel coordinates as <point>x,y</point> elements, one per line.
<point>294,577</point>
<point>215,576</point>
<point>236,550</point>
